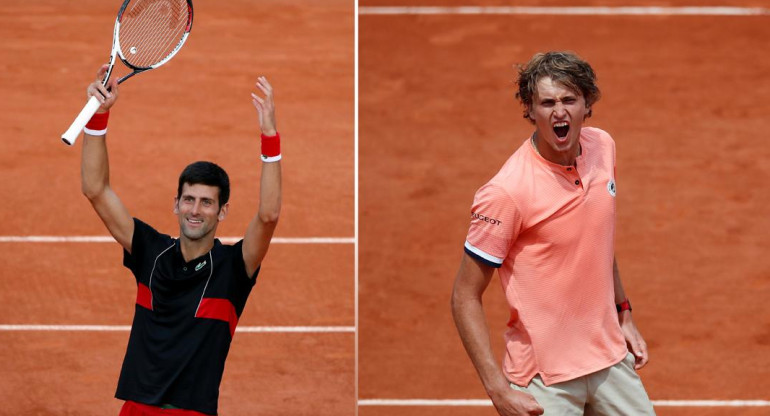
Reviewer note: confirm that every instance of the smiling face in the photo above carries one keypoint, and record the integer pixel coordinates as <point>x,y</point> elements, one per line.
<point>198,211</point>
<point>558,113</point>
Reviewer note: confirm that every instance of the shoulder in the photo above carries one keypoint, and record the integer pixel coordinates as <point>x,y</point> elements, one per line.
<point>146,244</point>
<point>597,135</point>
<point>232,255</point>
<point>514,176</point>
<point>141,228</point>
<point>227,250</point>
<point>597,141</point>
<point>515,166</point>
<point>497,196</point>
<point>147,236</point>
<point>492,193</point>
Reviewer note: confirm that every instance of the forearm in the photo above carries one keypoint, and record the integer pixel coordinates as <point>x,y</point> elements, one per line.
<point>474,332</point>
<point>95,166</point>
<point>94,169</point>
<point>634,340</point>
<point>468,312</point>
<point>469,317</point>
<point>620,293</point>
<point>262,226</point>
<point>270,193</point>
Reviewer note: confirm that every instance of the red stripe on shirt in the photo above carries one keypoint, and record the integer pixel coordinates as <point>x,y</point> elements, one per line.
<point>143,296</point>
<point>221,309</point>
<point>131,408</point>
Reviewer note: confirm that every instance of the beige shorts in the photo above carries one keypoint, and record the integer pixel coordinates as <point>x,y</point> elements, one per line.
<point>616,390</point>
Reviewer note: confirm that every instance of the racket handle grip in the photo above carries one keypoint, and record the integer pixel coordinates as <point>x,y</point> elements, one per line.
<point>71,135</point>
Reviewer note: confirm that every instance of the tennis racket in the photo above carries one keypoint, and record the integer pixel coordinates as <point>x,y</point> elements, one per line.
<point>148,33</point>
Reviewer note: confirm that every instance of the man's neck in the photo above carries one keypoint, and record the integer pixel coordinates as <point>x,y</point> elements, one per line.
<point>560,158</point>
<point>192,249</point>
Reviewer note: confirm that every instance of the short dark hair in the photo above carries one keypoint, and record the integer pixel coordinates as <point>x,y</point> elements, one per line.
<point>566,68</point>
<point>206,173</point>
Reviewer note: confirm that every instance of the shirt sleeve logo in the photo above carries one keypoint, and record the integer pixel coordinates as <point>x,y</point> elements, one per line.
<point>484,218</point>
<point>611,187</point>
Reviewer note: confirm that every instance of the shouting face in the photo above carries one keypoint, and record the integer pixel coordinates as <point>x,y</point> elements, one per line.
<point>558,113</point>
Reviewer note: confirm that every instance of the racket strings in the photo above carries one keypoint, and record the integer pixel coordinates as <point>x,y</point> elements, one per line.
<point>154,23</point>
<point>150,30</point>
<point>154,32</point>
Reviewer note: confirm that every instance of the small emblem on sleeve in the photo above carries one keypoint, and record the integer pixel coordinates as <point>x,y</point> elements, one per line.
<point>484,218</point>
<point>611,187</point>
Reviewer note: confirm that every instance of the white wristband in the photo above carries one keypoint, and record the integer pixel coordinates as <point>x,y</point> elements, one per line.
<point>269,159</point>
<point>86,130</point>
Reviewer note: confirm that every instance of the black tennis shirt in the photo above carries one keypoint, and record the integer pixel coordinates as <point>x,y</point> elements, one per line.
<point>184,320</point>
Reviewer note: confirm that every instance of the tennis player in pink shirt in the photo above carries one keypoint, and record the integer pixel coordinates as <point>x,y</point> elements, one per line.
<point>546,221</point>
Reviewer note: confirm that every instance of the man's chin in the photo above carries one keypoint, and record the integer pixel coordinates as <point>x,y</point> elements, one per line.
<point>194,235</point>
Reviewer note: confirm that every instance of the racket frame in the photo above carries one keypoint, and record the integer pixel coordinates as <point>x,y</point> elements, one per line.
<point>70,136</point>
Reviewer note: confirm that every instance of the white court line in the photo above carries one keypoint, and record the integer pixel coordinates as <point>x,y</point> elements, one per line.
<point>125,328</point>
<point>108,239</point>
<point>482,402</point>
<point>583,11</point>
<point>712,403</point>
<point>424,402</point>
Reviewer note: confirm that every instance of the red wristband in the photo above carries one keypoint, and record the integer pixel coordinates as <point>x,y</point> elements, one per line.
<point>271,148</point>
<point>623,306</point>
<point>97,126</point>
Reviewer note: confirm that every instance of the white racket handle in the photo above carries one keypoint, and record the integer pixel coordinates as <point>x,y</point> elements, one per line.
<point>71,135</point>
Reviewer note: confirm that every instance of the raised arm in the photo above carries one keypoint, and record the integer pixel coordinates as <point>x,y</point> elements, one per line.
<point>95,170</point>
<point>468,312</point>
<point>634,340</point>
<point>261,228</point>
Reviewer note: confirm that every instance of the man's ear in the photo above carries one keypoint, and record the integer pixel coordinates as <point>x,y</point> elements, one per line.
<point>223,211</point>
<point>176,206</point>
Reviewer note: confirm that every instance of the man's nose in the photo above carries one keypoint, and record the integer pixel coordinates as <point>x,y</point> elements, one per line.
<point>559,110</point>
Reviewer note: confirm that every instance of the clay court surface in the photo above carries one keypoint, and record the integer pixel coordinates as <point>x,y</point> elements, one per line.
<point>685,99</point>
<point>195,107</point>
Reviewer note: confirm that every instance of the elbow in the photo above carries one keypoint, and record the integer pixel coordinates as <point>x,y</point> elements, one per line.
<point>93,190</point>
<point>456,307</point>
<point>464,298</point>
<point>454,302</point>
<point>90,192</point>
<point>269,216</point>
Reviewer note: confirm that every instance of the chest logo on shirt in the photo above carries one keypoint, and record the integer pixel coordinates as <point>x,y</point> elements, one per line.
<point>200,265</point>
<point>611,187</point>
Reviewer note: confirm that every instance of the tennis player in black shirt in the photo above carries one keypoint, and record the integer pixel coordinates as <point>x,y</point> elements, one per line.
<point>191,290</point>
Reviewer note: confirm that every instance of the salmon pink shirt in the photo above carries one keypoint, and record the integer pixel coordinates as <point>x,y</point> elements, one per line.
<point>550,229</point>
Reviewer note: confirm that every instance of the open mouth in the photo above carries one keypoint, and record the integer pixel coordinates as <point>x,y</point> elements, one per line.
<point>561,129</point>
